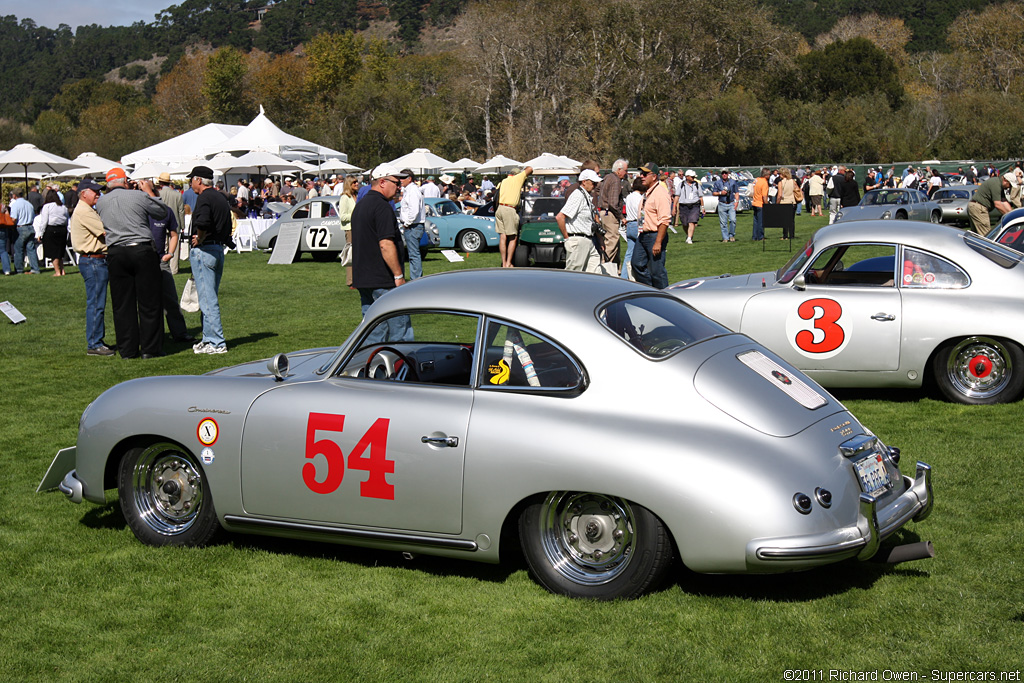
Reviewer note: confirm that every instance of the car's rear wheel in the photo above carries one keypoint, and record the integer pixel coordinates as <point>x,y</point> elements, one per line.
<point>901,215</point>
<point>470,241</point>
<point>588,545</point>
<point>165,497</point>
<point>980,370</point>
<point>936,217</point>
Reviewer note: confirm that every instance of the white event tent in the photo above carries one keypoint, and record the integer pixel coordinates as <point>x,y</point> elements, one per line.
<point>261,134</point>
<point>498,164</point>
<point>91,164</point>
<point>183,148</point>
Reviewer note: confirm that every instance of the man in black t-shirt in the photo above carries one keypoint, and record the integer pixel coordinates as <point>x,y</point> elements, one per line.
<point>377,255</point>
<point>211,233</point>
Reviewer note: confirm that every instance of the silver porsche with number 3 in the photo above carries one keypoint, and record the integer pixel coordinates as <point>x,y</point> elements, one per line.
<point>882,304</point>
<point>476,412</point>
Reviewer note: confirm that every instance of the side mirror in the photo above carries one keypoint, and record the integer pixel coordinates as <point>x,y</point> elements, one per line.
<point>800,283</point>
<point>278,366</point>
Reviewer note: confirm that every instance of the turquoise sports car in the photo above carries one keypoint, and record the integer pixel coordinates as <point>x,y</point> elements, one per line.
<point>455,229</point>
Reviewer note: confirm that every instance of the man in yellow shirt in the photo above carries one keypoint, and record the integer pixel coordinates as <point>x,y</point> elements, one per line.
<point>89,239</point>
<point>506,216</point>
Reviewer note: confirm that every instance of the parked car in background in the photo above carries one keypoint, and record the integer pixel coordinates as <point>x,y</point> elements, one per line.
<point>467,417</point>
<point>886,304</point>
<point>322,236</point>
<point>897,204</point>
<point>454,229</point>
<point>1010,231</point>
<point>953,202</point>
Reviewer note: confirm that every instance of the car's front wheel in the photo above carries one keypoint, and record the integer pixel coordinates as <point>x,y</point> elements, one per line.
<point>980,370</point>
<point>936,217</point>
<point>471,241</point>
<point>588,545</point>
<point>165,497</point>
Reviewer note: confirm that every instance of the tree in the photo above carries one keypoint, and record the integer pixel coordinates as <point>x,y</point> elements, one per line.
<point>180,101</point>
<point>991,41</point>
<point>849,69</point>
<point>889,34</point>
<point>223,86</point>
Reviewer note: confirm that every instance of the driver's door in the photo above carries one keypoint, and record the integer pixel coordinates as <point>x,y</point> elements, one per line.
<point>847,317</point>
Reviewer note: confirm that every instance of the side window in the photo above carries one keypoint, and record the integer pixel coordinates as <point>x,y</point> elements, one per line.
<point>922,270</point>
<point>301,212</point>
<point>429,348</point>
<point>871,265</point>
<point>515,357</point>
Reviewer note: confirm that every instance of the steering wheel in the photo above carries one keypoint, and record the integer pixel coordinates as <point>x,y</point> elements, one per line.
<point>389,363</point>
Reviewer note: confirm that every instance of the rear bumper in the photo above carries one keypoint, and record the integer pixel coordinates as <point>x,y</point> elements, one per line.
<point>860,541</point>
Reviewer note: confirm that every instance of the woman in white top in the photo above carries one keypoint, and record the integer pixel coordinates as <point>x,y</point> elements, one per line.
<point>346,206</point>
<point>55,234</point>
<point>935,182</point>
<point>633,201</point>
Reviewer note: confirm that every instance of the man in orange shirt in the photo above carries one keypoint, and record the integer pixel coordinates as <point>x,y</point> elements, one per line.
<point>759,198</point>
<point>655,215</point>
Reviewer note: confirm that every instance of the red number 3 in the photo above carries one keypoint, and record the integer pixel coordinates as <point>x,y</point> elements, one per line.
<point>377,463</point>
<point>831,311</point>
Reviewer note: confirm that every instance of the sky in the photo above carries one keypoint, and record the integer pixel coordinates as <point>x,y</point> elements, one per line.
<point>74,13</point>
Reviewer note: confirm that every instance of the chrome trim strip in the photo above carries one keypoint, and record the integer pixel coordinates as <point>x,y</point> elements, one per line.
<point>455,543</point>
<point>811,552</point>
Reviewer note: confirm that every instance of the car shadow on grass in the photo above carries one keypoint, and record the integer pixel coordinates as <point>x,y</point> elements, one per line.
<point>884,394</point>
<point>107,516</point>
<point>802,586</point>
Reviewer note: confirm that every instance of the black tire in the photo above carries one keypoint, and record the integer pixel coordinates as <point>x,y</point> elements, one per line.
<point>979,370</point>
<point>936,217</point>
<point>470,241</point>
<point>521,257</point>
<point>588,545</point>
<point>901,215</point>
<point>165,497</point>
<point>325,256</point>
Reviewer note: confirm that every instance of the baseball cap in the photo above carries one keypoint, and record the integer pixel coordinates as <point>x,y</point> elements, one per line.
<point>385,170</point>
<point>89,184</point>
<point>650,168</point>
<point>115,173</point>
<point>589,175</point>
<point>201,172</point>
<point>690,174</point>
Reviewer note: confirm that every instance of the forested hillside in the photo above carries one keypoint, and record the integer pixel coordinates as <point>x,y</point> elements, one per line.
<point>705,82</point>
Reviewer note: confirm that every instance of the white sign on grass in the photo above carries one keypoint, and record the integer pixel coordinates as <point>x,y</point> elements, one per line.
<point>11,312</point>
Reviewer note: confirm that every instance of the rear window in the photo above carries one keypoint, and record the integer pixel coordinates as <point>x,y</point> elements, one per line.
<point>658,326</point>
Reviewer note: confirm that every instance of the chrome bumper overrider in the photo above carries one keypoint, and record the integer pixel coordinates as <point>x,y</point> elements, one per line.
<point>71,487</point>
<point>862,540</point>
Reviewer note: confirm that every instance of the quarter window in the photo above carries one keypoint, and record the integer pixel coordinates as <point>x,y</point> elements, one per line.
<point>922,270</point>
<point>518,358</point>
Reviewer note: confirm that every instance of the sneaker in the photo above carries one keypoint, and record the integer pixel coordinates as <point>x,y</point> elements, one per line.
<point>210,348</point>
<point>199,346</point>
<point>100,351</point>
<point>689,241</point>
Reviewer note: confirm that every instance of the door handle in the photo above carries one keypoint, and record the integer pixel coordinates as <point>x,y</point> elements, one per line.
<point>883,317</point>
<point>448,441</point>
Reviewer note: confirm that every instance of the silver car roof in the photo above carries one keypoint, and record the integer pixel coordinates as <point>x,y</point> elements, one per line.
<point>928,236</point>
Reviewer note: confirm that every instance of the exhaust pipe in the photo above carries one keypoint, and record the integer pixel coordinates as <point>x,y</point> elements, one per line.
<point>905,553</point>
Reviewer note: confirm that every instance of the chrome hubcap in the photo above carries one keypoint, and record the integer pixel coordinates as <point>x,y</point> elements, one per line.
<point>587,537</point>
<point>471,241</point>
<point>168,489</point>
<point>979,367</point>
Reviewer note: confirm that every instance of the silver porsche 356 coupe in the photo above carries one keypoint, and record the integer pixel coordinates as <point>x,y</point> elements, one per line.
<point>472,412</point>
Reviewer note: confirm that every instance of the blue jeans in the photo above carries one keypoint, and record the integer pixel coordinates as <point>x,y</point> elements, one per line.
<point>26,240</point>
<point>94,272</point>
<point>207,267</point>
<point>727,220</point>
<point>632,232</point>
<point>4,256</point>
<point>413,235</point>
<point>758,233</point>
<point>649,269</point>
<point>395,329</point>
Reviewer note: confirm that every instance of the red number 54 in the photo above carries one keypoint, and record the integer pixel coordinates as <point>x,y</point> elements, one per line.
<point>376,463</point>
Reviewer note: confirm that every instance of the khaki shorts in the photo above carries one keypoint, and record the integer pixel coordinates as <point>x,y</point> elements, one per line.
<point>506,220</point>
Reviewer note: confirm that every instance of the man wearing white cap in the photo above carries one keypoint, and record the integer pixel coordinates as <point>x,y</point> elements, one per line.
<point>377,266</point>
<point>691,204</point>
<point>576,221</point>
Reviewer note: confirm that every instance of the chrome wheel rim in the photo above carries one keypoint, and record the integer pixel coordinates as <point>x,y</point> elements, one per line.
<point>167,486</point>
<point>588,538</point>
<point>979,367</point>
<point>471,240</point>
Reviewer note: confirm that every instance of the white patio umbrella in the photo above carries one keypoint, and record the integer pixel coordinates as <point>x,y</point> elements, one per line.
<point>27,158</point>
<point>339,165</point>
<point>150,170</point>
<point>553,162</point>
<point>92,164</point>
<point>420,161</point>
<point>498,164</point>
<point>463,165</point>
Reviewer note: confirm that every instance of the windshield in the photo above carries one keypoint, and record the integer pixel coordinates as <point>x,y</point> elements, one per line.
<point>880,197</point>
<point>795,265</point>
<point>540,206</point>
<point>657,326</point>
<point>446,208</point>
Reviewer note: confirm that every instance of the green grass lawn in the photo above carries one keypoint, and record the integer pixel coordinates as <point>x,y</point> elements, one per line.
<point>83,600</point>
